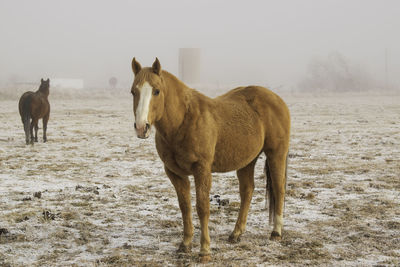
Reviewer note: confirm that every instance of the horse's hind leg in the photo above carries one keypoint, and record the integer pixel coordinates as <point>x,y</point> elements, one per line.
<point>182,188</point>
<point>277,170</point>
<point>36,129</point>
<point>31,131</point>
<point>246,186</point>
<point>27,129</point>
<point>45,120</point>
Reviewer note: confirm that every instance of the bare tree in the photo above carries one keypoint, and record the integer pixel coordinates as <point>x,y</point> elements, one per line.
<point>335,74</point>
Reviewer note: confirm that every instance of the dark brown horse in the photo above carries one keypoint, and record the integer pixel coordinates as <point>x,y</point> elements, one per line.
<point>34,106</point>
<point>197,135</point>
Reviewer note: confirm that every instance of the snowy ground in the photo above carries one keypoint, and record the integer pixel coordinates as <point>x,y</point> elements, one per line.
<point>105,199</point>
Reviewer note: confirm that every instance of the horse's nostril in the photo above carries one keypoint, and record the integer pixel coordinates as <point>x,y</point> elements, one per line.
<point>147,126</point>
<point>135,125</point>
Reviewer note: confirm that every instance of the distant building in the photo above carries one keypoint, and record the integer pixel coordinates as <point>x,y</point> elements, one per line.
<point>66,83</point>
<point>189,65</point>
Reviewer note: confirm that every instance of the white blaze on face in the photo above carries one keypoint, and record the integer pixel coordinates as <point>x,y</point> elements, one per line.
<point>142,110</point>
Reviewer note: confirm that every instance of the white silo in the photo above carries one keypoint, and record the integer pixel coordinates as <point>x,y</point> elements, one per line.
<point>189,65</point>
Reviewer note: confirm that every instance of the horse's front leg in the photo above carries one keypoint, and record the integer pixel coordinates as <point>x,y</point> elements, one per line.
<point>45,120</point>
<point>182,188</point>
<point>36,130</point>
<point>35,124</point>
<point>202,178</point>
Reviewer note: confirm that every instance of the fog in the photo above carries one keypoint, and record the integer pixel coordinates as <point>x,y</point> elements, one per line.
<point>242,42</point>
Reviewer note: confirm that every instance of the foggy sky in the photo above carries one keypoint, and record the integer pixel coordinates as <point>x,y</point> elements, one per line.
<point>243,42</point>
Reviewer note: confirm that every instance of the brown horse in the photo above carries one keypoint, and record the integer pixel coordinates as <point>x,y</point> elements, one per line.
<point>197,135</point>
<point>34,106</point>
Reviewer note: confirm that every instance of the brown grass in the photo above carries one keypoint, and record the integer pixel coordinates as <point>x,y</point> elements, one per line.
<point>114,206</point>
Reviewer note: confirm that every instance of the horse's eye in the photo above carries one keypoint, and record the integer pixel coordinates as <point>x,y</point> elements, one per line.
<point>133,93</point>
<point>156,92</point>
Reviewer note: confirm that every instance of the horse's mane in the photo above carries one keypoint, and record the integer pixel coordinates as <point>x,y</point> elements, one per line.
<point>184,92</point>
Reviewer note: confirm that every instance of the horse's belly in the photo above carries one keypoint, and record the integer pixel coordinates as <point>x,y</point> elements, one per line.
<point>229,157</point>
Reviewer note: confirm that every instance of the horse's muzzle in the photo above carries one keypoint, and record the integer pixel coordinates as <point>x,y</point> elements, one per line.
<point>143,132</point>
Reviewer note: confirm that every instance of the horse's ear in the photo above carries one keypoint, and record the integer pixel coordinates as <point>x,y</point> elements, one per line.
<point>48,80</point>
<point>156,67</point>
<point>42,80</point>
<point>136,66</point>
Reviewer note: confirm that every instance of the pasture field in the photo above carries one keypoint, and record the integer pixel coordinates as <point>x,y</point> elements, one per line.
<point>95,195</point>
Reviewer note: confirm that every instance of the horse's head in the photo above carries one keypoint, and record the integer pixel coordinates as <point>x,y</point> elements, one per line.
<point>148,92</point>
<point>44,86</point>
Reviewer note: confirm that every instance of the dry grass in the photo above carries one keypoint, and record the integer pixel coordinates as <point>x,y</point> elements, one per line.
<point>105,200</point>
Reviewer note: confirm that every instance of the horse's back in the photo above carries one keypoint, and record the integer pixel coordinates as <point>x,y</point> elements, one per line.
<point>24,102</point>
<point>255,114</point>
<point>34,103</point>
<point>265,103</point>
<point>242,123</point>
<point>272,111</point>
<point>25,96</point>
<point>252,95</point>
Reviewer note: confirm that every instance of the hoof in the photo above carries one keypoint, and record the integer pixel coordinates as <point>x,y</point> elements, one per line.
<point>184,249</point>
<point>275,236</point>
<point>234,239</point>
<point>44,140</point>
<point>205,258</point>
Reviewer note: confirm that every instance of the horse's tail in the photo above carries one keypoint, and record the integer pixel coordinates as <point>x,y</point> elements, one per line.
<point>25,110</point>
<point>269,194</point>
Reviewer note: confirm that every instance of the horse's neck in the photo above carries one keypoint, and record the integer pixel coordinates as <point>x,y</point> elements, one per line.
<point>45,92</point>
<point>176,104</point>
